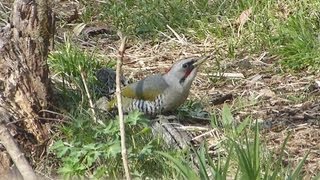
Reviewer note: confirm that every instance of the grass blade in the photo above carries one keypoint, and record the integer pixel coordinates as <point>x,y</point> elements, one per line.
<point>186,171</point>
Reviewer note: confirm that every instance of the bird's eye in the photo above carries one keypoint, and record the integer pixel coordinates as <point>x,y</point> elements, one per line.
<point>185,65</point>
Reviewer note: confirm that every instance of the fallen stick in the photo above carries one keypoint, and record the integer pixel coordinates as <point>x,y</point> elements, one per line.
<point>11,146</point>
<point>227,75</point>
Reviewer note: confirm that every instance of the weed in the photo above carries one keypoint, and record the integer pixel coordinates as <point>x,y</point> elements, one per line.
<point>67,64</point>
<point>93,150</point>
<point>243,155</point>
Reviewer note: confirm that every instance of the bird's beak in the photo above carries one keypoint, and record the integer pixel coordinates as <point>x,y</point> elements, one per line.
<point>200,61</point>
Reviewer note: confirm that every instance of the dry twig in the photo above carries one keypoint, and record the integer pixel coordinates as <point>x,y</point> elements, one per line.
<point>89,98</point>
<point>16,155</point>
<point>119,102</point>
<point>180,39</point>
<point>227,75</point>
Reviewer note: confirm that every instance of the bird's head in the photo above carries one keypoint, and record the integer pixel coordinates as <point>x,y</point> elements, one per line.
<point>185,70</point>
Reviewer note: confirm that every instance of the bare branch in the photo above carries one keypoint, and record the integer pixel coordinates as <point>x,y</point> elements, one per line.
<point>119,101</point>
<point>89,98</point>
<point>16,155</point>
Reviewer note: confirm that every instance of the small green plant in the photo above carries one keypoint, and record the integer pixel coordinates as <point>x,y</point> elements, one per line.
<point>68,61</point>
<point>183,167</point>
<point>192,109</point>
<point>244,157</point>
<point>72,68</point>
<point>93,150</point>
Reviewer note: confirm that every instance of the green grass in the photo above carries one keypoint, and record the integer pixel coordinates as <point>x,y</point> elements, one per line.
<point>93,150</point>
<point>67,63</point>
<point>245,157</point>
<point>288,29</point>
<point>298,42</point>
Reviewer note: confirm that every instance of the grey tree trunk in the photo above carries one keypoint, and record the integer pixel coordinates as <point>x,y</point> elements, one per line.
<point>24,81</point>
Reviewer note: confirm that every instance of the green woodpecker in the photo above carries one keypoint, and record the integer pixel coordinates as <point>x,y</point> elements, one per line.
<point>159,94</point>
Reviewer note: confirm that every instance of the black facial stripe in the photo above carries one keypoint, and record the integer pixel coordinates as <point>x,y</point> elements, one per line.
<point>191,62</point>
<point>188,64</point>
<point>182,80</point>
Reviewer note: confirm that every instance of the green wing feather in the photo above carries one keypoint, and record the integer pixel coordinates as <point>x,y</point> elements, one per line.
<point>146,89</point>
<point>148,94</point>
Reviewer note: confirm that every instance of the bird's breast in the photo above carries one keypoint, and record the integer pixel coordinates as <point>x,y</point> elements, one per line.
<point>174,98</point>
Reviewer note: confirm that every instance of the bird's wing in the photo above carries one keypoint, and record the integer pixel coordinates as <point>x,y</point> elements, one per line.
<point>146,89</point>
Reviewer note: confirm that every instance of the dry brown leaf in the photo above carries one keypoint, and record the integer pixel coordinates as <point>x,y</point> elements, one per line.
<point>267,93</point>
<point>79,28</point>
<point>243,18</point>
